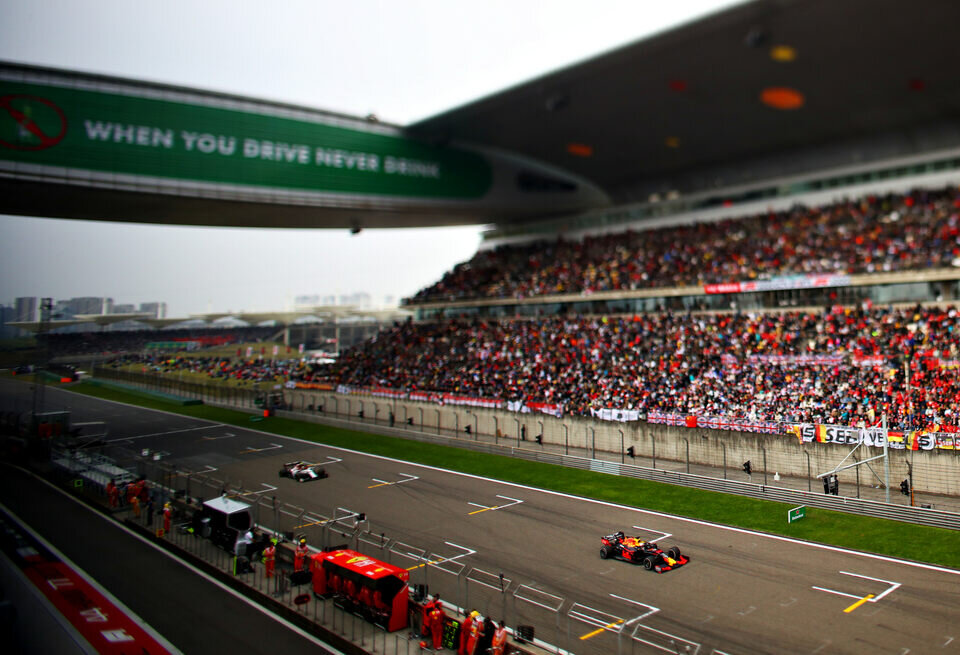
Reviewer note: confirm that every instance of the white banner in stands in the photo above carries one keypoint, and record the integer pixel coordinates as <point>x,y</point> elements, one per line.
<point>622,415</point>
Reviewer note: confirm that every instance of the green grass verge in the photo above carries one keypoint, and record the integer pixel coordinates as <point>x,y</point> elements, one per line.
<point>893,538</point>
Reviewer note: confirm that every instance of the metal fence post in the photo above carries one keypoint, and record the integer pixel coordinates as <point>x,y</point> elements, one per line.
<point>764,465</point>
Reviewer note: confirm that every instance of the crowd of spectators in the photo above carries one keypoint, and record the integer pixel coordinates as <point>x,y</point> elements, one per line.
<point>688,364</point>
<point>873,234</point>
<point>240,369</point>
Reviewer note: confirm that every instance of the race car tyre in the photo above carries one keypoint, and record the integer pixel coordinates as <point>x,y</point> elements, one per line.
<point>605,552</point>
<point>648,562</point>
<point>673,553</point>
<point>301,478</point>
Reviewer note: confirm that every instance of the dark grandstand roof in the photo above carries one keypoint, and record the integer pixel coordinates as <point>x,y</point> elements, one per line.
<point>690,98</point>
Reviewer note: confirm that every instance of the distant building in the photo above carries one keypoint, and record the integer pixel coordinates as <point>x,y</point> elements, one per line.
<point>125,308</point>
<point>8,314</point>
<point>360,300</point>
<point>25,309</point>
<point>307,301</point>
<point>155,309</point>
<point>61,310</point>
<point>328,300</point>
<point>90,305</point>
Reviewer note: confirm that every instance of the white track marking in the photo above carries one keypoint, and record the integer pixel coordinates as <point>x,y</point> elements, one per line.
<point>269,487</point>
<point>227,435</point>
<point>442,560</point>
<point>484,508</point>
<point>560,494</point>
<point>663,535</point>
<point>207,469</point>
<point>385,483</point>
<point>651,610</point>
<point>251,449</point>
<point>893,587</point>
<point>163,434</point>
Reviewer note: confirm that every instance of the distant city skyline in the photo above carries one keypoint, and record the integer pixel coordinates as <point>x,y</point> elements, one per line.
<point>26,308</point>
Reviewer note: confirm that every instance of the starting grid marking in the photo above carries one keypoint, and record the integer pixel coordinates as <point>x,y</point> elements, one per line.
<point>658,639</point>
<point>384,483</point>
<point>251,449</point>
<point>226,435</point>
<point>608,622</point>
<point>314,520</point>
<point>187,474</point>
<point>663,535</point>
<point>161,434</point>
<point>442,560</point>
<point>484,508</point>
<point>269,487</point>
<point>869,598</point>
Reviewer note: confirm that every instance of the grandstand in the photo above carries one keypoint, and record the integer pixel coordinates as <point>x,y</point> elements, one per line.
<point>777,241</point>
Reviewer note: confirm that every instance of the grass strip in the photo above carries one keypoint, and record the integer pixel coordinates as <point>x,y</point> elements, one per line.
<point>894,538</point>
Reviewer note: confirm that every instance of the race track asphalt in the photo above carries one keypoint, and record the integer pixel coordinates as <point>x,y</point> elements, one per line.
<point>742,592</point>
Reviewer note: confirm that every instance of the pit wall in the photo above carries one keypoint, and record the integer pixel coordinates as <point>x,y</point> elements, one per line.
<point>936,471</point>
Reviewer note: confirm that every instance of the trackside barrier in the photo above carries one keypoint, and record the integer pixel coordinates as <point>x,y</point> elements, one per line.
<point>660,640</point>
<point>234,398</point>
<point>475,589</point>
<point>539,605</point>
<point>878,509</point>
<point>585,622</point>
<point>488,587</point>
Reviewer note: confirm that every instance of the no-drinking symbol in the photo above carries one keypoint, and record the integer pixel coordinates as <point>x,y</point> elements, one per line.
<point>30,123</point>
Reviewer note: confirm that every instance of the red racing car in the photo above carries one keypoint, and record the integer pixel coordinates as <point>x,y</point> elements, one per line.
<point>638,551</point>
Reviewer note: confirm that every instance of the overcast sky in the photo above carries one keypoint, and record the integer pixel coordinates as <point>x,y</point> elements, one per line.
<point>401,59</point>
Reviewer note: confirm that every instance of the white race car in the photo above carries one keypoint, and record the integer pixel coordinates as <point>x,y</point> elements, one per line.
<point>302,471</point>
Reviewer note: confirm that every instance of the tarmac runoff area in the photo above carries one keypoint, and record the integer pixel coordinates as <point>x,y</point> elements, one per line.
<point>742,592</point>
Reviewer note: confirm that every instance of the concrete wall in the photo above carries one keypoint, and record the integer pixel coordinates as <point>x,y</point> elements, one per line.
<point>936,471</point>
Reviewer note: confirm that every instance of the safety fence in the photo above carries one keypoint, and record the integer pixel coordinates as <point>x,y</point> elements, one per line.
<point>865,507</point>
<point>540,619</point>
<point>565,448</point>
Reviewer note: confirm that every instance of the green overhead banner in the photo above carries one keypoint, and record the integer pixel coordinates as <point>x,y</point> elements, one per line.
<point>144,136</point>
